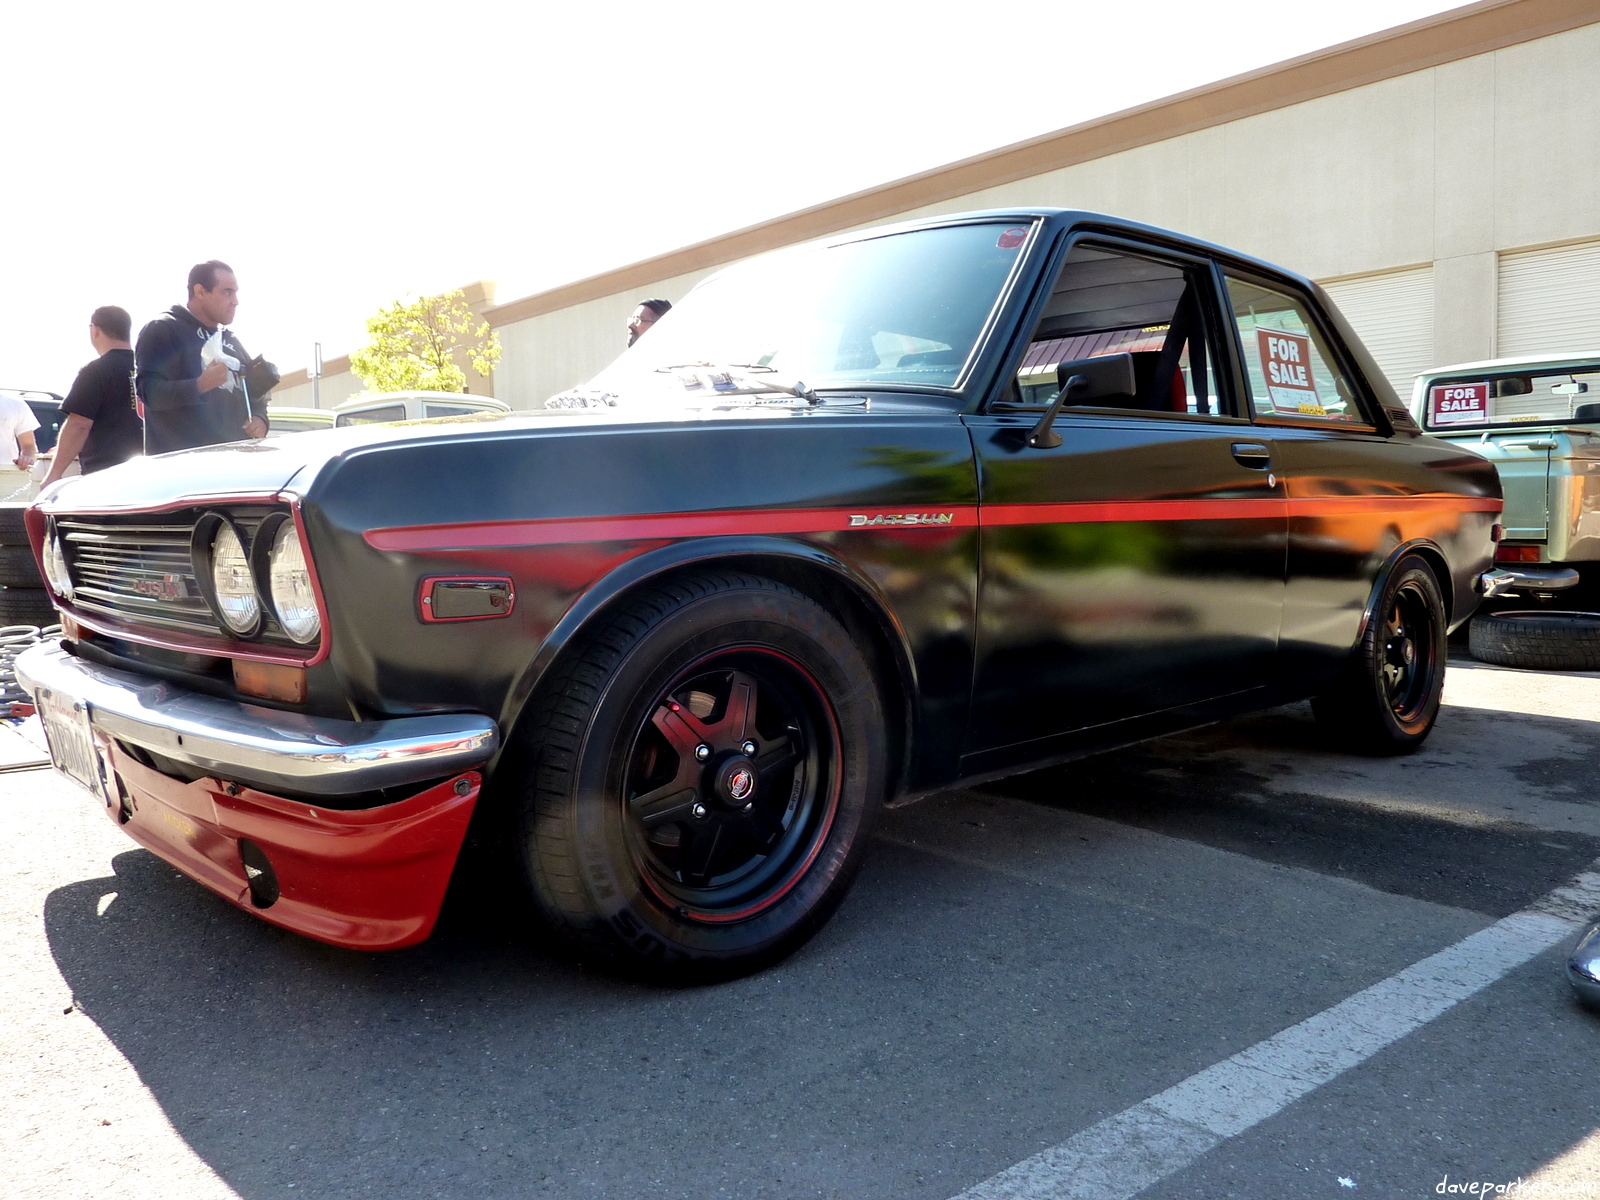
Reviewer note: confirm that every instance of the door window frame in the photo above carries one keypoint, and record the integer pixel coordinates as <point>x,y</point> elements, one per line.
<point>1231,398</point>
<point>1366,403</point>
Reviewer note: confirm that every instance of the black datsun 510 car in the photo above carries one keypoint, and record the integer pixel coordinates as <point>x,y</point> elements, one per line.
<point>904,509</point>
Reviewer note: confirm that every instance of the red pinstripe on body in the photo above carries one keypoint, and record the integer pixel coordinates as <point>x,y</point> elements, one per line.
<point>667,526</point>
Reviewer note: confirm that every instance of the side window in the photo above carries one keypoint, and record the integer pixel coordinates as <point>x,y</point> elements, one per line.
<point>1111,302</point>
<point>1286,358</point>
<point>448,410</point>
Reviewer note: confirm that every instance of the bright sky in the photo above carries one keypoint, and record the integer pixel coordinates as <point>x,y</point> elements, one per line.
<point>340,155</point>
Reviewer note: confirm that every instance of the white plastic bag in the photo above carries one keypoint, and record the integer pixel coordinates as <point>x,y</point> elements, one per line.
<point>213,352</point>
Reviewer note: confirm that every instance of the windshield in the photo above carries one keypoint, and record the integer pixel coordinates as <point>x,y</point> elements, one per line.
<point>907,308</point>
<point>1531,397</point>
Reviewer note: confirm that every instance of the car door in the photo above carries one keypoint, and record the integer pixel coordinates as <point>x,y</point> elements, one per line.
<point>1354,494</point>
<point>1138,566</point>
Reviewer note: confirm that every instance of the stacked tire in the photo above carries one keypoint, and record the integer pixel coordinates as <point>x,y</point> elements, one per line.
<point>1540,639</point>
<point>23,599</point>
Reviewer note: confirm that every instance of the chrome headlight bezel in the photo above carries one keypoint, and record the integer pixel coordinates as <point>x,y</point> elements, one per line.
<point>211,532</point>
<point>294,606</point>
<point>56,573</point>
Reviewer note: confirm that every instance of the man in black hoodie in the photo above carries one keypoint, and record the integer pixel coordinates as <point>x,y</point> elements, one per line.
<point>188,402</point>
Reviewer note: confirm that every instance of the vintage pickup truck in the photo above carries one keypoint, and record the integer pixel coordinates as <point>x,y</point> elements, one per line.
<point>1538,421</point>
<point>884,514</point>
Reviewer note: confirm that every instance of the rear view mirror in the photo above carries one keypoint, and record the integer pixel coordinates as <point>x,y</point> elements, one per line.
<point>1105,377</point>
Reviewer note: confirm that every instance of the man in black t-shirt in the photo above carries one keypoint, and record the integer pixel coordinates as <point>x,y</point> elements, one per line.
<point>103,426</point>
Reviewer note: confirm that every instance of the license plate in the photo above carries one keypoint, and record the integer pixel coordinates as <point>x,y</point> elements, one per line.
<point>71,740</point>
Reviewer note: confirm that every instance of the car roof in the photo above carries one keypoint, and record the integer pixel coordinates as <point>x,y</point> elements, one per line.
<point>1500,364</point>
<point>32,395</point>
<point>1059,218</point>
<point>377,398</point>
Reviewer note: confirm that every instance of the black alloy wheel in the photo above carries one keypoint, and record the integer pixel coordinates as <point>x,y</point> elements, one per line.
<point>1387,699</point>
<point>697,778</point>
<point>1408,663</point>
<point>732,783</point>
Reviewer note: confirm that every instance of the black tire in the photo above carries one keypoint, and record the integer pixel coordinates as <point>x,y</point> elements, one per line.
<point>18,568</point>
<point>1543,639</point>
<point>1387,699</point>
<point>27,606</point>
<point>692,886</point>
<point>12,530</point>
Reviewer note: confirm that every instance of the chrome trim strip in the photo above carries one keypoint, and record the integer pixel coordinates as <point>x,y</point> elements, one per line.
<point>262,747</point>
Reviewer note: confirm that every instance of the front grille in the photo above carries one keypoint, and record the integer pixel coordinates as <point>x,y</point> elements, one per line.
<point>138,570</point>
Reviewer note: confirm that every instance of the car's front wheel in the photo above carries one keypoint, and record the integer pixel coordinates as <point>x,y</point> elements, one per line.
<point>702,774</point>
<point>1388,697</point>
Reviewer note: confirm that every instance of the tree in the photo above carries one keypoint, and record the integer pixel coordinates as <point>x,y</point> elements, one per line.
<point>415,346</point>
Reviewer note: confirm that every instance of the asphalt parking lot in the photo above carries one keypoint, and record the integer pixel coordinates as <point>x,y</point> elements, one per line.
<point>1018,966</point>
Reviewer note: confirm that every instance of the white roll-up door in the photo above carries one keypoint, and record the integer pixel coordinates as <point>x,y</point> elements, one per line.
<point>1549,301</point>
<point>1392,314</point>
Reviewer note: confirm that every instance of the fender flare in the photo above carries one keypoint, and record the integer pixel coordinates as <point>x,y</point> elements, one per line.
<point>707,552</point>
<point>1426,548</point>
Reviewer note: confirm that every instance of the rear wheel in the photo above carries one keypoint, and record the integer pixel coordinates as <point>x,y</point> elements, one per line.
<point>703,772</point>
<point>1388,698</point>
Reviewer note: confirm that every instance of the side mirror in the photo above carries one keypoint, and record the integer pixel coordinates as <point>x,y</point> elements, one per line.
<point>1104,377</point>
<point>1083,381</point>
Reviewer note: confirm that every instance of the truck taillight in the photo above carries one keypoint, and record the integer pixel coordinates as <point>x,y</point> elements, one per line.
<point>1516,554</point>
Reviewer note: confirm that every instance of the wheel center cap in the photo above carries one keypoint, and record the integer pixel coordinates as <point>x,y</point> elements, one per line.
<point>736,781</point>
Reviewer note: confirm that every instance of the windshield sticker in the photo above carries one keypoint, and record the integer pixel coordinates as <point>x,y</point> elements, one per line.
<point>1458,404</point>
<point>1012,238</point>
<point>1286,360</point>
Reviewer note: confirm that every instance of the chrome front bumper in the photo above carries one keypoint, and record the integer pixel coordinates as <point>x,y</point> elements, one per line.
<point>1500,581</point>
<point>262,747</point>
<point>1583,967</point>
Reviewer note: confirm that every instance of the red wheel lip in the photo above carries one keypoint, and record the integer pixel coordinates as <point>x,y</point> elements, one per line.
<point>672,903</point>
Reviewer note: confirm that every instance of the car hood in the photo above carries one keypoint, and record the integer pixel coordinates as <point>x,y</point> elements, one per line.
<point>294,461</point>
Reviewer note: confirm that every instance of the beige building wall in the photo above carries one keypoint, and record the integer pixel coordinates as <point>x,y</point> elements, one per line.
<point>1439,146</point>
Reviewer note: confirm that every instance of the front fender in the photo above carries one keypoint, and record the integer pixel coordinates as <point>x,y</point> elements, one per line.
<point>730,551</point>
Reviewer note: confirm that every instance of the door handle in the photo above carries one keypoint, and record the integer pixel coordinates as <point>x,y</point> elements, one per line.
<point>1253,455</point>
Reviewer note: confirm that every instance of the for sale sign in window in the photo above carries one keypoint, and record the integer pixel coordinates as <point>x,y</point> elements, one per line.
<point>1286,362</point>
<point>1458,404</point>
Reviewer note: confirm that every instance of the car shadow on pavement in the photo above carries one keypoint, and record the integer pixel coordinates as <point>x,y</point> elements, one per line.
<point>1273,787</point>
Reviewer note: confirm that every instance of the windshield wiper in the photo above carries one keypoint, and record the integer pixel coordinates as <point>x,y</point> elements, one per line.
<point>728,387</point>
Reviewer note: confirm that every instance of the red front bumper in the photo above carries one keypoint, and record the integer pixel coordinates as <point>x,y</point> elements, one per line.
<point>371,879</point>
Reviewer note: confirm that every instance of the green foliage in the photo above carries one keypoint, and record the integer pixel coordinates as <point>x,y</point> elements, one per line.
<point>414,344</point>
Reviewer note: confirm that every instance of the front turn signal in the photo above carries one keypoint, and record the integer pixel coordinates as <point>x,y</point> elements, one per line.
<point>270,681</point>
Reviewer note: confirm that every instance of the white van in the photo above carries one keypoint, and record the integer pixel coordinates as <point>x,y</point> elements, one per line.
<point>413,406</point>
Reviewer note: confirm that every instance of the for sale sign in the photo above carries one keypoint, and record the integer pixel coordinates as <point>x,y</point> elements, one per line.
<point>1286,362</point>
<point>1458,404</point>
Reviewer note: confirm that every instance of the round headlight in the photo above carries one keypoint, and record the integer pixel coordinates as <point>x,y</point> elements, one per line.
<point>231,580</point>
<point>55,566</point>
<point>289,578</point>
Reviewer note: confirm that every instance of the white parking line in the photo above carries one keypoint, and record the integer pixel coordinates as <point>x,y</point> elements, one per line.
<point>1124,1154</point>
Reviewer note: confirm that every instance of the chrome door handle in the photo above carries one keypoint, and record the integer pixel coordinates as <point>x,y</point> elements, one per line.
<point>1253,455</point>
